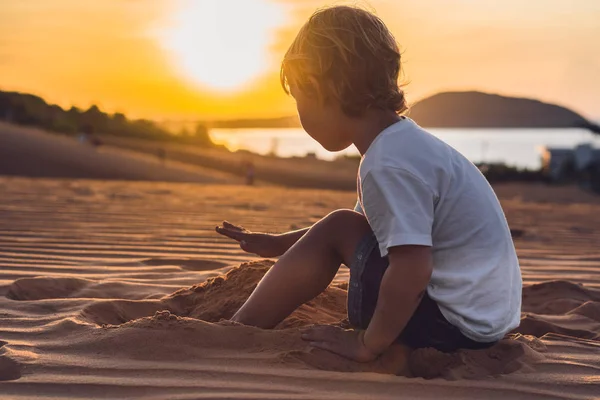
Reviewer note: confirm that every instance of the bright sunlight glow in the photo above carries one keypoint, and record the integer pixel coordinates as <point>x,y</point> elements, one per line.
<point>222,44</point>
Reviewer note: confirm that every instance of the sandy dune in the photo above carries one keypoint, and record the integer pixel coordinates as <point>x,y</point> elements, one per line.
<point>112,290</point>
<point>35,153</point>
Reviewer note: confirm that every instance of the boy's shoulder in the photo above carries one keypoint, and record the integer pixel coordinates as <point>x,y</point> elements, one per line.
<point>406,146</point>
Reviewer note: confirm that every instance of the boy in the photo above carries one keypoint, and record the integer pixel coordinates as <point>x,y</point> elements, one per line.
<point>432,263</point>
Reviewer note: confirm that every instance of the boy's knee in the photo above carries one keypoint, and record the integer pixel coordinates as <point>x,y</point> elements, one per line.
<point>343,230</point>
<point>347,221</point>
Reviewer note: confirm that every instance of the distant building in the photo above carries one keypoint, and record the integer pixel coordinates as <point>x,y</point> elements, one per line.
<point>581,164</point>
<point>557,164</point>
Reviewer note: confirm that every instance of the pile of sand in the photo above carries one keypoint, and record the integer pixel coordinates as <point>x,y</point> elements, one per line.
<point>219,298</point>
<point>35,153</point>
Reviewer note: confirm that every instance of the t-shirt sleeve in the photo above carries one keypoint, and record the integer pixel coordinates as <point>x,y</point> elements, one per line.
<point>399,207</point>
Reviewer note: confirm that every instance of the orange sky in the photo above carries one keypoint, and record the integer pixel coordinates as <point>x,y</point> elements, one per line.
<point>219,58</point>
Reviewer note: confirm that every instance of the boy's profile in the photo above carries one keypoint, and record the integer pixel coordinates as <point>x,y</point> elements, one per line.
<point>431,259</point>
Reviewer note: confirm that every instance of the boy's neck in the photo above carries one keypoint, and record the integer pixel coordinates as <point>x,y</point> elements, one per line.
<point>366,128</point>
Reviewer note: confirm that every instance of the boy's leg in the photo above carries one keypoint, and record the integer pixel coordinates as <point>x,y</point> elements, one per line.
<point>305,270</point>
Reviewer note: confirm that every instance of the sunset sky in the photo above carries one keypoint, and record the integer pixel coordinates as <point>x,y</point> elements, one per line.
<point>175,59</point>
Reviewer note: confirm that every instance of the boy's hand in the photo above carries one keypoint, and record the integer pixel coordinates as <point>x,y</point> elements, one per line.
<point>262,244</point>
<point>344,342</point>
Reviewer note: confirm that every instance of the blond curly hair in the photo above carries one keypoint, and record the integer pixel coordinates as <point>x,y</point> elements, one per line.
<point>346,54</point>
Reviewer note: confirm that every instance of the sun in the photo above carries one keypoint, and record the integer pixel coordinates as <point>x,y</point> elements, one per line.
<point>222,44</point>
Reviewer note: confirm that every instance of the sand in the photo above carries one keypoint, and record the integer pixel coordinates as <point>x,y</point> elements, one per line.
<point>116,290</point>
<point>299,172</point>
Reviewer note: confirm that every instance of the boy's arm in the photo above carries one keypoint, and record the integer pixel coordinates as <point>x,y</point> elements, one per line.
<point>402,288</point>
<point>400,209</point>
<point>262,244</point>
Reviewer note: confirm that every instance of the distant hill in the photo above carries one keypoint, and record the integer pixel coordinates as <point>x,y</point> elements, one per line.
<point>462,110</point>
<point>483,110</point>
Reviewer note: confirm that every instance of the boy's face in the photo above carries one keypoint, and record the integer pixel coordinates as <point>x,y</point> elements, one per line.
<point>324,122</point>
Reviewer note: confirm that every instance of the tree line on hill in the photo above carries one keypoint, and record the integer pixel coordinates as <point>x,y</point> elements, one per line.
<point>30,110</point>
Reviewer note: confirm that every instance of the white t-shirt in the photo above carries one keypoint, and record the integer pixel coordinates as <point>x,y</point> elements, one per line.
<point>414,189</point>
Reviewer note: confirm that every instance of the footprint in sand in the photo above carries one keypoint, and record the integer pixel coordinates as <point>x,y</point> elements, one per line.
<point>45,288</point>
<point>540,325</point>
<point>10,370</point>
<point>556,297</point>
<point>117,312</point>
<point>41,288</point>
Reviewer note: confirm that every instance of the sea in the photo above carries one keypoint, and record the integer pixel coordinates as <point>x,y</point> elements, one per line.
<point>515,147</point>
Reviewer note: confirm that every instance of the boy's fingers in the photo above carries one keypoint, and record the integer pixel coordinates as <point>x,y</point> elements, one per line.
<point>235,235</point>
<point>323,333</point>
<point>229,225</point>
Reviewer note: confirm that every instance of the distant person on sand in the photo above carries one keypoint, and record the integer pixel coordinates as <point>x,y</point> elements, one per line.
<point>88,136</point>
<point>431,258</point>
<point>83,138</point>
<point>86,132</point>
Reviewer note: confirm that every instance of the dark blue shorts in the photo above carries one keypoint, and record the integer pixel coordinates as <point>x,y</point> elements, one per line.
<point>427,327</point>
